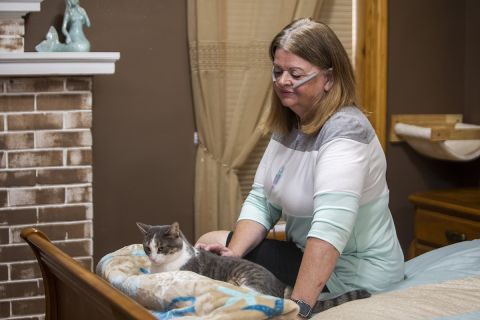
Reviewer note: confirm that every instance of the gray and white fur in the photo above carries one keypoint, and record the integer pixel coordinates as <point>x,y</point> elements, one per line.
<point>169,250</point>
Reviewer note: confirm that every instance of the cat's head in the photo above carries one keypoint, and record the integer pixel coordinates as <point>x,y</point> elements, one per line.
<point>162,243</point>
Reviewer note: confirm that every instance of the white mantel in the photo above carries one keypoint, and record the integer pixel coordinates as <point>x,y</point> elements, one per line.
<point>13,9</point>
<point>48,63</point>
<point>57,63</point>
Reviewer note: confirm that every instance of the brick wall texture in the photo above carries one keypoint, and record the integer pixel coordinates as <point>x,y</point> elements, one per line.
<point>12,31</point>
<point>45,181</point>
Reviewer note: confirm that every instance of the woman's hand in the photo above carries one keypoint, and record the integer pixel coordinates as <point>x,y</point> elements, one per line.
<point>246,236</point>
<point>216,248</point>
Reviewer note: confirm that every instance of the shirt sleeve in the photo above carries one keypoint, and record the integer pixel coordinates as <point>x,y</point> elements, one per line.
<point>256,207</point>
<point>341,169</point>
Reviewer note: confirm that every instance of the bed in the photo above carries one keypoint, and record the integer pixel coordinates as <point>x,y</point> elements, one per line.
<point>72,292</point>
<point>442,284</point>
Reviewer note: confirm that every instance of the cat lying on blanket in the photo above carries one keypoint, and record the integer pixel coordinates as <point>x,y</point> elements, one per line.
<point>169,250</point>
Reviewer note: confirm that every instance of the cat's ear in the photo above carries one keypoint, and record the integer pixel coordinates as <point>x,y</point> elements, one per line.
<point>143,227</point>
<point>174,230</point>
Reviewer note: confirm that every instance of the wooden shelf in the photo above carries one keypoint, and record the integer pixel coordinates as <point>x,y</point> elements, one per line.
<point>441,126</point>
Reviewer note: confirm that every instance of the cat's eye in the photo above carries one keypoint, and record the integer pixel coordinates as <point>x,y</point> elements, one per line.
<point>160,249</point>
<point>147,250</point>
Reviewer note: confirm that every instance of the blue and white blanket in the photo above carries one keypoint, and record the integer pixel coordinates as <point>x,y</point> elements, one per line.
<point>184,294</point>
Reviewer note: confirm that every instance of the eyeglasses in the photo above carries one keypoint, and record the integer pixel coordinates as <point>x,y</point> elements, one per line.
<point>296,79</point>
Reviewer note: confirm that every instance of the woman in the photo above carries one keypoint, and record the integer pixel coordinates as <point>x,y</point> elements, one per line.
<point>323,172</point>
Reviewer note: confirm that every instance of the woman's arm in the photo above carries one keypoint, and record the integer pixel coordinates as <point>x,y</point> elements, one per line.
<point>247,235</point>
<point>318,262</point>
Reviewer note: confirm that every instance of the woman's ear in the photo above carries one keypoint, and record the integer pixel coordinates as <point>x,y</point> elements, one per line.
<point>329,84</point>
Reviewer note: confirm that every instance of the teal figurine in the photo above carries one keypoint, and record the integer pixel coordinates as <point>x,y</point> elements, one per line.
<point>72,27</point>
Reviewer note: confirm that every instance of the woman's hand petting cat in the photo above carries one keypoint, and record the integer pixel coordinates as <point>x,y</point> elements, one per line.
<point>216,248</point>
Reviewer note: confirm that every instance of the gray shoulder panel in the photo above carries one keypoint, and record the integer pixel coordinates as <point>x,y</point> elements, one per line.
<point>347,123</point>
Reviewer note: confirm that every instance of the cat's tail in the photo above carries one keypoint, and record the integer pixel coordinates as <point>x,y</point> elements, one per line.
<point>287,293</point>
<point>323,305</point>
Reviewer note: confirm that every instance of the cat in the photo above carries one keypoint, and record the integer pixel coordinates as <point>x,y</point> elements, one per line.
<point>169,250</point>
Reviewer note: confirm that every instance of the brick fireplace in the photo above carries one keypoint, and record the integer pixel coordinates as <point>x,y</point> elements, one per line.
<point>45,161</point>
<point>45,180</point>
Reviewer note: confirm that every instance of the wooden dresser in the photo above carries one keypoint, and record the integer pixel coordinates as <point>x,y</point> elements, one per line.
<point>444,217</point>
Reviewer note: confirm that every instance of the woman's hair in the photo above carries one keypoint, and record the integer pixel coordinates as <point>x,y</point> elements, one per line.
<point>316,43</point>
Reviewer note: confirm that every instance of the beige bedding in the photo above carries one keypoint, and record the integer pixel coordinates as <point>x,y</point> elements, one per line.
<point>454,299</point>
<point>443,284</point>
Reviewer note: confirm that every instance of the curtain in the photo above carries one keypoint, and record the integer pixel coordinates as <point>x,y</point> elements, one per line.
<point>231,86</point>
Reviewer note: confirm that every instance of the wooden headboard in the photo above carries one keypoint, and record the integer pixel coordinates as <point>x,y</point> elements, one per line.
<point>73,292</point>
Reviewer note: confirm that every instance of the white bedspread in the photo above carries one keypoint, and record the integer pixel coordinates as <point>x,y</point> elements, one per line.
<point>454,299</point>
<point>443,284</point>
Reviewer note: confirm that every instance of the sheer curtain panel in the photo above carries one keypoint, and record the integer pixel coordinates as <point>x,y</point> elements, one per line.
<point>231,83</point>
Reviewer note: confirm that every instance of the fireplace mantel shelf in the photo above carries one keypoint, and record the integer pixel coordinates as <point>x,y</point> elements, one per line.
<point>57,63</point>
<point>14,9</point>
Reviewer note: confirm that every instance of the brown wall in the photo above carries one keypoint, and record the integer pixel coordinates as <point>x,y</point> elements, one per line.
<point>143,119</point>
<point>472,63</point>
<point>433,68</point>
<point>143,152</point>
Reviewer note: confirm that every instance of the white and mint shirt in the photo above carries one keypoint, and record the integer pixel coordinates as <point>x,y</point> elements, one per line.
<point>332,186</point>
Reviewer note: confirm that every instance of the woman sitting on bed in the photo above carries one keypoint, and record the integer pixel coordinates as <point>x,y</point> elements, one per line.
<point>323,172</point>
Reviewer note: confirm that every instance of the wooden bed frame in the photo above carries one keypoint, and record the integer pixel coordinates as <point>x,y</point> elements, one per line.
<point>73,292</point>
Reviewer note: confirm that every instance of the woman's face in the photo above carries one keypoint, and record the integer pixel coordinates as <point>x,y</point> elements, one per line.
<point>289,71</point>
